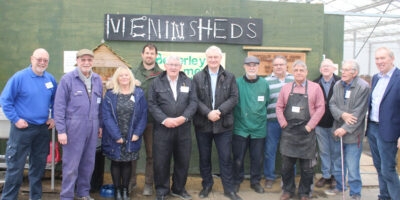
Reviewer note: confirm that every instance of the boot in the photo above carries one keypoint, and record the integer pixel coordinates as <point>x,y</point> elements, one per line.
<point>117,194</point>
<point>125,194</point>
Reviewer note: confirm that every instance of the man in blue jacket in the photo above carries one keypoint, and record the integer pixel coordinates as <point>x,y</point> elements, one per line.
<point>383,128</point>
<point>26,100</point>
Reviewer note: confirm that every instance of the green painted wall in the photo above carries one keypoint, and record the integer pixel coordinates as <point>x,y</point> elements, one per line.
<point>60,25</point>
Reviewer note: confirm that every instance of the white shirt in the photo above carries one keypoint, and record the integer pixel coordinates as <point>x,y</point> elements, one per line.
<point>173,84</point>
<point>378,92</point>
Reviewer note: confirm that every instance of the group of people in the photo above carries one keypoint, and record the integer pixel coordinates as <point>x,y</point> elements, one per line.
<point>248,112</point>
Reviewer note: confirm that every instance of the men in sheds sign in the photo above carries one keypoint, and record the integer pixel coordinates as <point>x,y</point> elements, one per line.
<point>163,28</point>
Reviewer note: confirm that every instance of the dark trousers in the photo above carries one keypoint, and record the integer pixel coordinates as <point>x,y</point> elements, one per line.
<point>33,141</point>
<point>223,142</point>
<point>239,147</point>
<point>168,143</point>
<point>98,173</point>
<point>148,144</point>
<point>307,174</point>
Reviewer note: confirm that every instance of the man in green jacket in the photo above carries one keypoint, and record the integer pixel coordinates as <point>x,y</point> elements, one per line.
<point>147,71</point>
<point>250,124</point>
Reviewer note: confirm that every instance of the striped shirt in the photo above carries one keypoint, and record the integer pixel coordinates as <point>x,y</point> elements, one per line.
<point>275,86</point>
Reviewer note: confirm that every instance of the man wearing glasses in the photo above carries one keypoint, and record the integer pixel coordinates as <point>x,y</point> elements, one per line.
<point>26,100</point>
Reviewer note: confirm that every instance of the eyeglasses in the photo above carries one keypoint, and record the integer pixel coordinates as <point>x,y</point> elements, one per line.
<point>251,64</point>
<point>174,65</point>
<point>346,70</point>
<point>41,60</point>
<point>279,65</point>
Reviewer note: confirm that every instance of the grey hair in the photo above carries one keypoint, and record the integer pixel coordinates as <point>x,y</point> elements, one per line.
<point>327,60</point>
<point>214,48</point>
<point>354,65</point>
<point>299,62</point>
<point>390,52</point>
<point>169,58</point>
<point>279,57</point>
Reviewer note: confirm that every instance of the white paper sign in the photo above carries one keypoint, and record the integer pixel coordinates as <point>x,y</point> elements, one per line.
<point>69,61</point>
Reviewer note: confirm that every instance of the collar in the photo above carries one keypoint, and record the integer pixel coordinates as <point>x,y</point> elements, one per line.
<point>250,80</point>
<point>302,85</point>
<point>348,85</point>
<point>30,71</point>
<point>83,77</point>
<point>389,74</point>
<point>273,75</point>
<point>169,80</point>
<point>213,74</point>
<point>323,80</point>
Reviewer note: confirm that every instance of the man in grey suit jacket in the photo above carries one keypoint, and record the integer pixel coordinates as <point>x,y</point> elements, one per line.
<point>348,106</point>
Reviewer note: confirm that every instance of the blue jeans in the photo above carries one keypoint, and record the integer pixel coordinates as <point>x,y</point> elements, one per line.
<point>32,141</point>
<point>271,145</point>
<point>351,156</point>
<point>239,147</point>
<point>384,157</point>
<point>326,149</point>
<point>223,142</point>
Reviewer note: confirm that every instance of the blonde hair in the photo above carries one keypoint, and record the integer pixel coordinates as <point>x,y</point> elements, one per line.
<point>114,84</point>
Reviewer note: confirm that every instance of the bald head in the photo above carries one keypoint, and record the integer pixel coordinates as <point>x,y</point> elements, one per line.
<point>39,61</point>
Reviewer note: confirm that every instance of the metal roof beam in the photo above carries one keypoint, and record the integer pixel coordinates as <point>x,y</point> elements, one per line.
<point>372,25</point>
<point>375,36</point>
<point>363,14</point>
<point>373,5</point>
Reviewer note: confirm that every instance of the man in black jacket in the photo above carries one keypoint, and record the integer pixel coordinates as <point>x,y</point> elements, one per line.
<point>217,94</point>
<point>324,133</point>
<point>172,103</point>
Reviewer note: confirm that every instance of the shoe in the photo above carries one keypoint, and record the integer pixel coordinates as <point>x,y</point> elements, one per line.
<point>125,194</point>
<point>148,189</point>
<point>304,198</point>
<point>117,194</point>
<point>131,187</point>
<point>285,196</point>
<point>322,181</point>
<point>85,198</point>
<point>356,197</point>
<point>232,196</point>
<point>332,192</point>
<point>161,197</point>
<point>183,195</point>
<point>268,183</point>
<point>257,188</point>
<point>333,183</point>
<point>204,192</point>
<point>236,188</point>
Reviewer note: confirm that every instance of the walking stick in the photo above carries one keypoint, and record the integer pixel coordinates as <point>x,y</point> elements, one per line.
<point>341,154</point>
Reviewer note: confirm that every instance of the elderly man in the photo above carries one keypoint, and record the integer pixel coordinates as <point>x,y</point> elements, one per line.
<point>349,105</point>
<point>217,94</point>
<point>383,128</point>
<point>250,124</point>
<point>77,120</point>
<point>172,102</point>
<point>147,71</point>
<point>26,100</point>
<point>324,128</point>
<point>299,108</point>
<point>276,80</point>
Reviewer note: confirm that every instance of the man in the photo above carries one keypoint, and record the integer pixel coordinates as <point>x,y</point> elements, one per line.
<point>147,71</point>
<point>172,102</point>
<point>217,95</point>
<point>383,128</point>
<point>349,105</point>
<point>250,124</point>
<point>276,80</point>
<point>299,108</point>
<point>77,120</point>
<point>324,129</point>
<point>26,100</point>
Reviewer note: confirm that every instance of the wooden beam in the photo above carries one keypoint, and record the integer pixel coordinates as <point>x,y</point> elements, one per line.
<point>276,48</point>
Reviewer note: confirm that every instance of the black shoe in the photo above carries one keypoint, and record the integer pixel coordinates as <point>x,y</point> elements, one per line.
<point>236,188</point>
<point>232,196</point>
<point>161,197</point>
<point>117,194</point>
<point>204,192</point>
<point>257,188</point>
<point>182,195</point>
<point>125,194</point>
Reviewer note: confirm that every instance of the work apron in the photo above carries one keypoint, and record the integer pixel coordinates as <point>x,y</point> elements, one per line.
<point>295,141</point>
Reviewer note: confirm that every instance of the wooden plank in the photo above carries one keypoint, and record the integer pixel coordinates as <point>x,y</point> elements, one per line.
<point>277,48</point>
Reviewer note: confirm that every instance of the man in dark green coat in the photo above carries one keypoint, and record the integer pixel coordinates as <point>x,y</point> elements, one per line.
<point>147,71</point>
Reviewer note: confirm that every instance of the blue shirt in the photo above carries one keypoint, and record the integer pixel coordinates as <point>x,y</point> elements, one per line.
<point>326,85</point>
<point>28,96</point>
<point>378,92</point>
<point>214,78</point>
<point>346,87</point>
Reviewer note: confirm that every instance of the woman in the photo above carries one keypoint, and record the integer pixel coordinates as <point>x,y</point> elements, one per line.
<point>125,116</point>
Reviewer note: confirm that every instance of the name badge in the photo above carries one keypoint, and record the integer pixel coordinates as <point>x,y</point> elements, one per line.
<point>347,95</point>
<point>98,100</point>
<point>78,93</point>
<point>260,98</point>
<point>296,109</point>
<point>133,99</point>
<point>185,89</point>
<point>49,85</point>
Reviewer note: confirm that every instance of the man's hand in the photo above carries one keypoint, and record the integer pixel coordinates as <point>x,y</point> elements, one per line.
<point>170,123</point>
<point>120,141</point>
<point>284,125</point>
<point>340,132</point>
<point>349,119</point>
<point>398,143</point>
<point>134,138</point>
<point>62,138</point>
<point>21,124</point>
<point>100,133</point>
<point>308,129</point>
<point>50,123</point>
<point>214,115</point>
<point>180,120</point>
